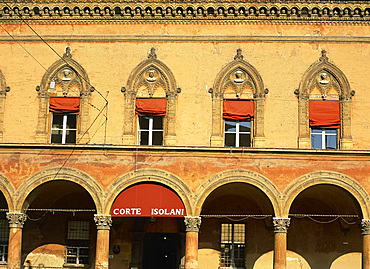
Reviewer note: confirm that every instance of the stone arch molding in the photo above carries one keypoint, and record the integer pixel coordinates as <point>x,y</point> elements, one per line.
<point>57,173</point>
<point>334,78</point>
<point>238,74</point>
<point>8,190</point>
<point>148,175</point>
<point>81,80</point>
<point>327,177</point>
<point>150,73</point>
<point>242,176</point>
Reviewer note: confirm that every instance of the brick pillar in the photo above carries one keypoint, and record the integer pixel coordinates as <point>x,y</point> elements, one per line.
<point>192,225</point>
<point>365,223</point>
<point>280,248</point>
<point>16,222</point>
<point>103,223</point>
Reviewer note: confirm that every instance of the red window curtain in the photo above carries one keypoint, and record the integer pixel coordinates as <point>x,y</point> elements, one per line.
<point>324,114</point>
<point>151,107</point>
<point>69,105</point>
<point>238,110</point>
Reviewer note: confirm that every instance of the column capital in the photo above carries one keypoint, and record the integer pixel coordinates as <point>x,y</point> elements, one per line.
<point>16,220</point>
<point>365,225</point>
<point>103,222</point>
<point>281,225</point>
<point>192,224</point>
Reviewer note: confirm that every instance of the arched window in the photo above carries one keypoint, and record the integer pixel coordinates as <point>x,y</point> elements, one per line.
<point>238,99</point>
<point>324,107</point>
<point>150,104</point>
<point>3,90</point>
<point>64,103</point>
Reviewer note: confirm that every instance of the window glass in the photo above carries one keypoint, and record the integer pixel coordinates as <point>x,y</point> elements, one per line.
<point>331,138</point>
<point>56,136</point>
<point>71,122</point>
<point>230,126</point>
<point>157,138</point>
<point>158,123</point>
<point>144,137</point>
<point>316,138</point>
<point>245,126</point>
<point>57,121</point>
<point>144,123</point>
<point>230,139</point>
<point>244,140</point>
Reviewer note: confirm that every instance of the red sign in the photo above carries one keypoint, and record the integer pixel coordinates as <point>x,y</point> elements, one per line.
<point>148,200</point>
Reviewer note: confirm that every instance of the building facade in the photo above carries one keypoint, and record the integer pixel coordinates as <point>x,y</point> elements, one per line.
<point>184,134</point>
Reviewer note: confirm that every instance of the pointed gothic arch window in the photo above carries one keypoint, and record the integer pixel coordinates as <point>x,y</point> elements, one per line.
<point>324,107</point>
<point>238,98</point>
<point>64,103</point>
<point>150,104</point>
<point>3,90</point>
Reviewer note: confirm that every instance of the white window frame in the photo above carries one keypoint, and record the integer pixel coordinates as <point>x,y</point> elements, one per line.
<point>77,256</point>
<point>3,252</point>
<point>230,245</point>
<point>237,132</point>
<point>324,135</point>
<point>64,128</point>
<point>150,130</point>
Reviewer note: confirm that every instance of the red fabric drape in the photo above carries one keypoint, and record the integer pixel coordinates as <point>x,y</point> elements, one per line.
<point>238,110</point>
<point>151,107</point>
<point>69,105</point>
<point>324,114</point>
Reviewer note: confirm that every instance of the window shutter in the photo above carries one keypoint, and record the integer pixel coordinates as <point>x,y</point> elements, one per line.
<point>151,107</point>
<point>238,110</point>
<point>67,105</point>
<point>324,114</point>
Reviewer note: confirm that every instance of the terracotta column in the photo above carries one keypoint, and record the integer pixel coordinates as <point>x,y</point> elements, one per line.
<point>192,225</point>
<point>16,221</point>
<point>281,228</point>
<point>365,223</point>
<point>103,223</point>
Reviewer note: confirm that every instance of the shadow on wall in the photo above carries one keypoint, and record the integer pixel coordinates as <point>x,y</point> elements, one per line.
<point>49,255</point>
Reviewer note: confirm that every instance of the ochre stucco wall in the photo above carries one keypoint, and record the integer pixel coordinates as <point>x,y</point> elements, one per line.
<point>195,65</point>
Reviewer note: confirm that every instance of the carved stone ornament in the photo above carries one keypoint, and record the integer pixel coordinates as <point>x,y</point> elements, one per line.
<point>16,220</point>
<point>365,224</point>
<point>103,222</point>
<point>192,224</point>
<point>152,54</point>
<point>232,12</point>
<point>281,225</point>
<point>238,55</point>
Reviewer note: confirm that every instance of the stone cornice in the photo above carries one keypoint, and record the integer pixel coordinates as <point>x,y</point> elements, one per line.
<point>186,12</point>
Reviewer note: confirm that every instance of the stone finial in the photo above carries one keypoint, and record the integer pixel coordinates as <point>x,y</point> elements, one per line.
<point>281,225</point>
<point>192,224</point>
<point>67,53</point>
<point>238,55</point>
<point>16,220</point>
<point>103,222</point>
<point>152,54</point>
<point>323,57</point>
<point>365,225</point>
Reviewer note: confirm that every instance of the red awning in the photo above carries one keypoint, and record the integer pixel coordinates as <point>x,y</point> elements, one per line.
<point>238,110</point>
<point>69,105</point>
<point>324,114</point>
<point>151,107</point>
<point>148,200</point>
